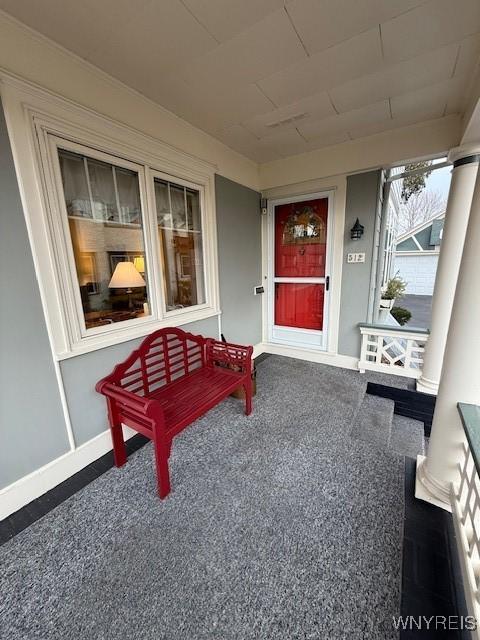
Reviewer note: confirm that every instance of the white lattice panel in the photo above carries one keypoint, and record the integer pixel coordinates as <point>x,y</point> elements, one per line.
<point>466,516</point>
<point>392,352</point>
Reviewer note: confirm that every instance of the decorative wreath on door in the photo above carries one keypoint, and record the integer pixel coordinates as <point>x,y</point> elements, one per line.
<point>304,226</point>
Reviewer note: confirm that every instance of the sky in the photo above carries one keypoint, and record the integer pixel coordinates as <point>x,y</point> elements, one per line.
<point>439,180</point>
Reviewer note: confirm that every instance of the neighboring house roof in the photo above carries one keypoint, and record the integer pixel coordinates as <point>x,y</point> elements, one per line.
<point>424,237</point>
<point>437,231</point>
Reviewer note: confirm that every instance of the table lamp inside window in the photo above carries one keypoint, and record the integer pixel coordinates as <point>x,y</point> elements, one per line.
<point>126,277</point>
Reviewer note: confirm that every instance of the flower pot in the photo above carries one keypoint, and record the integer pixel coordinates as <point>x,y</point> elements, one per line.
<point>386,304</point>
<point>240,392</point>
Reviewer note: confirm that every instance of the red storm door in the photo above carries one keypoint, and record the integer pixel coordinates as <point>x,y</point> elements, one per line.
<point>300,263</point>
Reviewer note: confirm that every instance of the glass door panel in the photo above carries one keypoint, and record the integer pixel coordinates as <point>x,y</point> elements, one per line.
<point>299,305</point>
<point>301,239</point>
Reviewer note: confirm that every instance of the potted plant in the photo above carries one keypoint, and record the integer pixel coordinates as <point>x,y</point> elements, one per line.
<point>401,315</point>
<point>394,289</point>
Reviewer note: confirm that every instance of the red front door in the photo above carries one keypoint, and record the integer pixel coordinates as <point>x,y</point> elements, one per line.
<point>300,263</point>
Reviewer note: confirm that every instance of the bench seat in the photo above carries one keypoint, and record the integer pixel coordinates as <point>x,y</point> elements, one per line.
<point>191,396</point>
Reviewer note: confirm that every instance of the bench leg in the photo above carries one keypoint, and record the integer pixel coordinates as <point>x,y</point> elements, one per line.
<point>162,453</point>
<point>119,451</point>
<point>248,396</point>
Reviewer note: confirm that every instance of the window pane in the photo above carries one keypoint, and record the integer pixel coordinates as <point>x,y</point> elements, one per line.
<point>181,245</point>
<point>103,191</point>
<point>162,197</point>
<point>128,196</point>
<point>193,210</point>
<point>75,186</point>
<point>106,230</point>
<point>179,214</point>
<point>301,239</point>
<point>299,305</point>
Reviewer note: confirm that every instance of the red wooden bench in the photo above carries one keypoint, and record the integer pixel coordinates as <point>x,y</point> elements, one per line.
<point>168,382</point>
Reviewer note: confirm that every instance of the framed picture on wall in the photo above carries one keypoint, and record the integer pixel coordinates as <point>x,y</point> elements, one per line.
<point>126,256</point>
<point>87,267</point>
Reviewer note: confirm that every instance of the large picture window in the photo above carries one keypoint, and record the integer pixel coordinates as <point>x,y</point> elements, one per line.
<point>105,221</point>
<point>180,234</point>
<point>129,242</point>
<point>122,225</point>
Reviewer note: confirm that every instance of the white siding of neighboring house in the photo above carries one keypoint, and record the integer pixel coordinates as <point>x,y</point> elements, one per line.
<point>418,270</point>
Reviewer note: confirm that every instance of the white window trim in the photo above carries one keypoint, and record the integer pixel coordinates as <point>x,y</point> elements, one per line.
<point>35,118</point>
<point>419,246</point>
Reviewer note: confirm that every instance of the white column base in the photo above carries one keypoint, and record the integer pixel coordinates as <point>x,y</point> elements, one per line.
<point>429,489</point>
<point>424,385</point>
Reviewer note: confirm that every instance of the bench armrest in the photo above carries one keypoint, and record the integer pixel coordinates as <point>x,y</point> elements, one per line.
<point>137,404</point>
<point>234,356</point>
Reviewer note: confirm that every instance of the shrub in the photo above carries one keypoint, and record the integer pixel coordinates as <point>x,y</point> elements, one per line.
<point>401,315</point>
<point>395,288</point>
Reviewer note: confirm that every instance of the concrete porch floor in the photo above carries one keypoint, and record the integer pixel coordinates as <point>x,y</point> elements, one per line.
<point>275,523</point>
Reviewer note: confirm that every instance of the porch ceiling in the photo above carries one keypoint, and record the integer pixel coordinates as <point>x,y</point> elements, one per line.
<point>276,78</point>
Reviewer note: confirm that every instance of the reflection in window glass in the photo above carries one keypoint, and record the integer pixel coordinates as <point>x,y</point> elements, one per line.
<point>299,305</point>
<point>104,201</point>
<point>162,198</point>
<point>177,200</point>
<point>180,234</point>
<point>193,210</point>
<point>106,230</point>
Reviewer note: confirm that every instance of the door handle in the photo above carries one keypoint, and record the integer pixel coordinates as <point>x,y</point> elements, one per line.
<point>327,283</point>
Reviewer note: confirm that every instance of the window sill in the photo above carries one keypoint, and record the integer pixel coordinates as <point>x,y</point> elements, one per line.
<point>94,343</point>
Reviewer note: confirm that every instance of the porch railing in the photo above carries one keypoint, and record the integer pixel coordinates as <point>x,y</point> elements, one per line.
<point>465,499</point>
<point>397,350</point>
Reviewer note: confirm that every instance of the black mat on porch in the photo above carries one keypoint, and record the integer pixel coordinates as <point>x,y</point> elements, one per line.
<point>279,525</point>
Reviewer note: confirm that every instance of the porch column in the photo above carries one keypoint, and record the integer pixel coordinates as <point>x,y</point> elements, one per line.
<point>465,168</point>
<point>460,380</point>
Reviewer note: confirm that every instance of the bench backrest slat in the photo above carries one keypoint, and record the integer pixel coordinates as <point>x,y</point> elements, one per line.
<point>163,357</point>
<point>166,359</point>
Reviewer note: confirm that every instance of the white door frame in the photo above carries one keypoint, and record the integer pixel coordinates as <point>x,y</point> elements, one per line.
<point>322,344</point>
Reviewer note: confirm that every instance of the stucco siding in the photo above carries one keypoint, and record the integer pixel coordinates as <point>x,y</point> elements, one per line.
<point>32,429</point>
<point>239,260</point>
<point>362,201</point>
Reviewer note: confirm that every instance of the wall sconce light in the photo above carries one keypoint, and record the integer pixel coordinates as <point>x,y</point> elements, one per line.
<point>357,230</point>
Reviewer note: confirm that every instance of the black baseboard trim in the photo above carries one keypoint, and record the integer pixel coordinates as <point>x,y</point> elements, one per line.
<point>408,403</point>
<point>262,357</point>
<point>36,509</point>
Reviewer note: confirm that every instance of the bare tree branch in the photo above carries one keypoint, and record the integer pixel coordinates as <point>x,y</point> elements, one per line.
<point>419,208</point>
